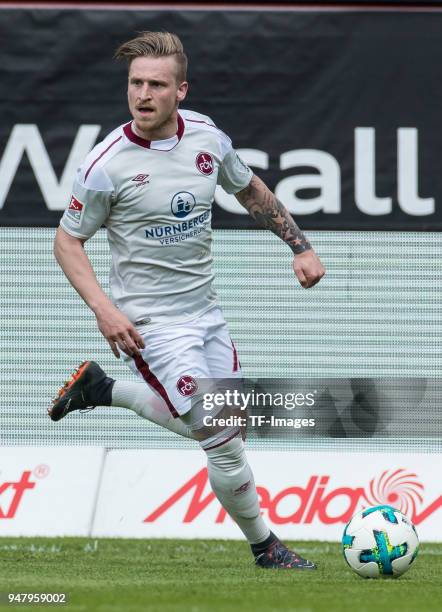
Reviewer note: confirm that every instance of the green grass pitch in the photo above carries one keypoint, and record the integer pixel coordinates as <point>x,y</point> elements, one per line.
<point>113,575</point>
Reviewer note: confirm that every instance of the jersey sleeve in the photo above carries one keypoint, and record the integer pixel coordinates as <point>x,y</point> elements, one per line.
<point>233,174</point>
<point>89,205</point>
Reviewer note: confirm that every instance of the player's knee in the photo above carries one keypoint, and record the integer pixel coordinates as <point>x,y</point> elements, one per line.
<point>229,456</point>
<point>211,428</point>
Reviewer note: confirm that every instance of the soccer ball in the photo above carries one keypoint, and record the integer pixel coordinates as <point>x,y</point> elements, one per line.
<point>380,541</point>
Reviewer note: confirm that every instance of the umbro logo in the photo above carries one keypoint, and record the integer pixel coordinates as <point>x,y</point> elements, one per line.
<point>141,179</point>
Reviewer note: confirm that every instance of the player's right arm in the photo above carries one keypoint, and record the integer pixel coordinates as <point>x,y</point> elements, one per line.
<point>112,323</point>
<point>88,209</point>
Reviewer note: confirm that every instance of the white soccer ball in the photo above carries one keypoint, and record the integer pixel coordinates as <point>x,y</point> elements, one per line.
<point>380,542</point>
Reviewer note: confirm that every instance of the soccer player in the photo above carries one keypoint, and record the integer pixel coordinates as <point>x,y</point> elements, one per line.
<point>151,182</point>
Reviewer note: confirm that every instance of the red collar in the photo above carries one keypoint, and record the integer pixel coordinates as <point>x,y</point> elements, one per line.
<point>150,144</point>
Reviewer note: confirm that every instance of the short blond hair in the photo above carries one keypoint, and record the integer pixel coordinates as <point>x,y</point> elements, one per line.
<point>155,44</point>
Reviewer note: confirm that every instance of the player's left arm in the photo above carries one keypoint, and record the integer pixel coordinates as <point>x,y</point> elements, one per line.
<point>271,214</point>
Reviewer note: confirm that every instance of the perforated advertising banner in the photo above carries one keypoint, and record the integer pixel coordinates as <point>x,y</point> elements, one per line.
<point>337,111</point>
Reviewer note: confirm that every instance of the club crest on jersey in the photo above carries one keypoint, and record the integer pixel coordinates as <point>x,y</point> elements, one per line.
<point>75,210</point>
<point>186,385</point>
<point>204,162</point>
<point>182,204</point>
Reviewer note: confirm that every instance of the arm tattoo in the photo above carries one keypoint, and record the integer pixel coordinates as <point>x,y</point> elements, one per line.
<point>271,214</point>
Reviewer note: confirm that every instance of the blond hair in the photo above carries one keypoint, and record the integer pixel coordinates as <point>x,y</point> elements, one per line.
<point>155,44</point>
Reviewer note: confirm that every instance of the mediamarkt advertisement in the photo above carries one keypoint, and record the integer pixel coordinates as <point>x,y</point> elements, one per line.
<point>129,496</point>
<point>313,497</point>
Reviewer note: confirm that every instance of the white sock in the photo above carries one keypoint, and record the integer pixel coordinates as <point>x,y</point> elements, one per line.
<point>233,483</point>
<point>137,396</point>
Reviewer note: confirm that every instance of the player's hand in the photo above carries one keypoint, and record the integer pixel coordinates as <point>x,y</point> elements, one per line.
<point>308,268</point>
<point>119,332</point>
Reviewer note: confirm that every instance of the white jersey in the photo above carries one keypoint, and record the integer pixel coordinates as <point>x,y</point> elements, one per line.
<point>155,199</point>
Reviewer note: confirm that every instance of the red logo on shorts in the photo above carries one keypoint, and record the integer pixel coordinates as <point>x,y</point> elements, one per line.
<point>186,385</point>
<point>204,163</point>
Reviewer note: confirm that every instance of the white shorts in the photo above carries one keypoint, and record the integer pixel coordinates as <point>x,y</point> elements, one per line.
<point>175,356</point>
